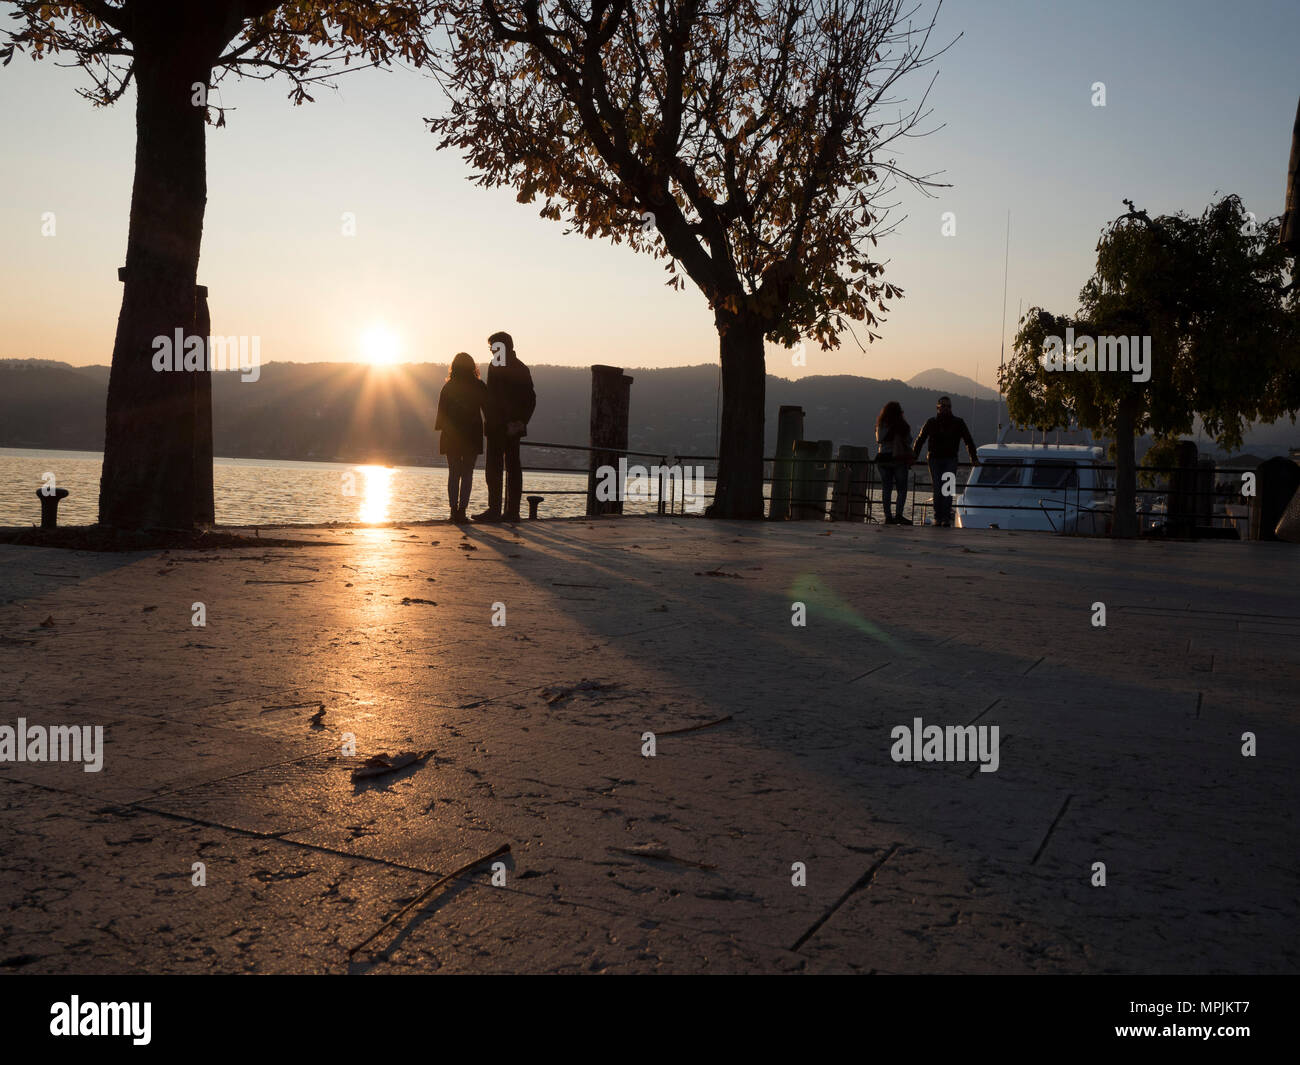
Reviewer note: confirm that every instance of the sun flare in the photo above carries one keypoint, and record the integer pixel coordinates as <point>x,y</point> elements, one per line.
<point>380,346</point>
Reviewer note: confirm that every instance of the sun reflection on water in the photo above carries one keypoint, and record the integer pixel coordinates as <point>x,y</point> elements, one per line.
<point>376,493</point>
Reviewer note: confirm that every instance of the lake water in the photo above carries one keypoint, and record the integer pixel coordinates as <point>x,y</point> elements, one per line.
<point>275,491</point>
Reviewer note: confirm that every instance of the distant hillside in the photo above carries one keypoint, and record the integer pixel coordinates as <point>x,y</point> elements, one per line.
<point>51,404</point>
<point>949,382</point>
<point>348,412</point>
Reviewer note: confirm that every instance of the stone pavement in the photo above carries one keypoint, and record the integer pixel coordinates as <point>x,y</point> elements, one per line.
<point>1120,745</point>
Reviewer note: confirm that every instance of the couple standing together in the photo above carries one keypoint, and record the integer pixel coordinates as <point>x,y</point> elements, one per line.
<point>896,452</point>
<point>467,410</point>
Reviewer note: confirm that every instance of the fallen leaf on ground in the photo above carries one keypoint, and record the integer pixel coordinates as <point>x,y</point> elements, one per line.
<point>379,764</point>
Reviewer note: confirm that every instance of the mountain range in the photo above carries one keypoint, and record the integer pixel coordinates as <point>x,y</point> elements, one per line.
<point>356,413</point>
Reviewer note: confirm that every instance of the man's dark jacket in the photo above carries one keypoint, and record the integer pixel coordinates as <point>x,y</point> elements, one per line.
<point>944,435</point>
<point>511,397</point>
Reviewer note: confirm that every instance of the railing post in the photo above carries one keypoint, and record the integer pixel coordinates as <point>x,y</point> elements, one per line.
<point>789,430</point>
<point>610,400</point>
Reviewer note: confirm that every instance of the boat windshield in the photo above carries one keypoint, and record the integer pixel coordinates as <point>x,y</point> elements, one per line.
<point>997,471</point>
<point>1052,474</point>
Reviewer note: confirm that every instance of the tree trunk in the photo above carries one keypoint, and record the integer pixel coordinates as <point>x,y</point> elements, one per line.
<point>739,491</point>
<point>148,478</point>
<point>1125,524</point>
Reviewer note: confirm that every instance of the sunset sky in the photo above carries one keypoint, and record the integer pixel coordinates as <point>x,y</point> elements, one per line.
<point>1200,100</point>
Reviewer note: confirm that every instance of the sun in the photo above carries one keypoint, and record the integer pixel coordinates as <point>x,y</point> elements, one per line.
<point>380,346</point>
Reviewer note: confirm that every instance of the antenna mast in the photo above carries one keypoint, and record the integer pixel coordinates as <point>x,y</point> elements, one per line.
<point>1002,357</point>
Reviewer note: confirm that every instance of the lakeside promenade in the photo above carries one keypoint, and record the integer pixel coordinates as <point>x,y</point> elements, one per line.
<point>1120,745</point>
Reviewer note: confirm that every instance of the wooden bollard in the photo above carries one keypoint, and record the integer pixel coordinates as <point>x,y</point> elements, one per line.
<point>849,497</point>
<point>533,503</point>
<point>610,401</point>
<point>1205,493</point>
<point>1181,507</point>
<point>812,463</point>
<point>789,429</point>
<point>1276,481</point>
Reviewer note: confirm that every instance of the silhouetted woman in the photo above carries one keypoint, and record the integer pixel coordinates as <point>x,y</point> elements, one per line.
<point>893,457</point>
<point>460,419</point>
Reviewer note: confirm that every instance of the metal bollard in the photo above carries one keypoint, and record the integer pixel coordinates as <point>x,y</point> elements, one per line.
<point>533,503</point>
<point>50,506</point>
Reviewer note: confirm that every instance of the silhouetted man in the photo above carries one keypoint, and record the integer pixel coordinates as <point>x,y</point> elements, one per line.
<point>510,403</point>
<point>944,432</point>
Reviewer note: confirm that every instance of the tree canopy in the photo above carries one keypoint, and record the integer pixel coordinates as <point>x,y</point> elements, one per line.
<point>305,41</point>
<point>1216,297</point>
<point>745,141</point>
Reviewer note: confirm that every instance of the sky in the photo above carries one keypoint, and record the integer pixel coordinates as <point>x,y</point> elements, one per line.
<point>1200,102</point>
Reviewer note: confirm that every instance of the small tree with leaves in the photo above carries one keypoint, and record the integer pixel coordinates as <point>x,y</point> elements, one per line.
<point>745,141</point>
<point>1216,296</point>
<point>174,52</point>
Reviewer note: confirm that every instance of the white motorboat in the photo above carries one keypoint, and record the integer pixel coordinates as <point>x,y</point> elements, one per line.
<point>1049,487</point>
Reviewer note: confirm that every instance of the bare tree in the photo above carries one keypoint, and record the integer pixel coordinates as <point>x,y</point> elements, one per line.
<point>748,142</point>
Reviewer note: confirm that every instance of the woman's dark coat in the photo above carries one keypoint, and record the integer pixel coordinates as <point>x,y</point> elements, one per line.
<point>460,417</point>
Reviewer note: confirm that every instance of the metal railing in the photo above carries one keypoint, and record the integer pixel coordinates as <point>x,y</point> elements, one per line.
<point>668,497</point>
<point>1056,500</point>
